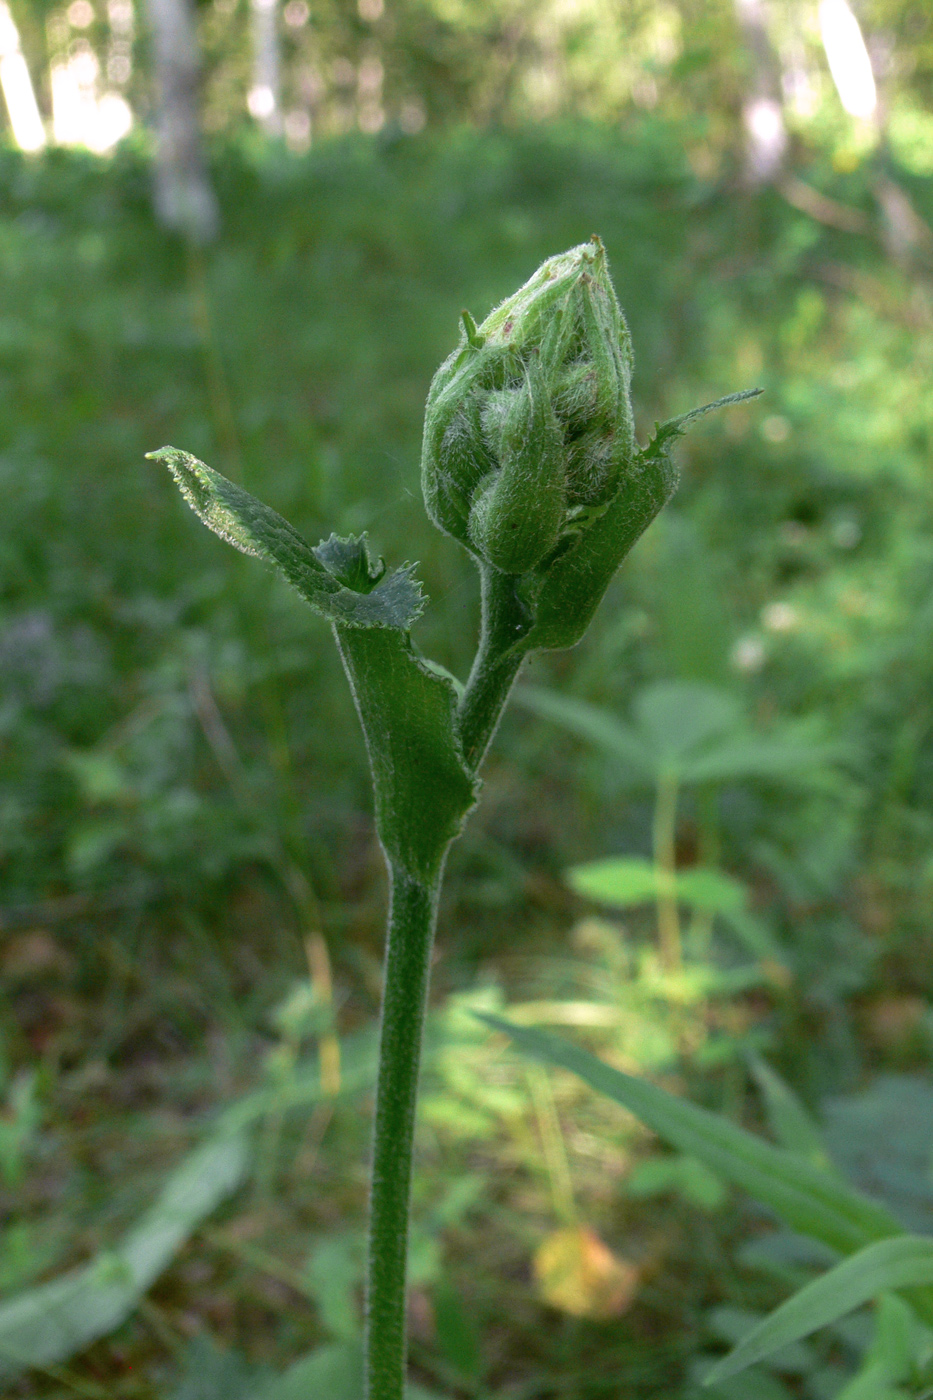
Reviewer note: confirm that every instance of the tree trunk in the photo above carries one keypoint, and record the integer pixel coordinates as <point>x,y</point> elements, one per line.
<point>265,98</point>
<point>762,109</point>
<point>18,91</point>
<point>184,199</point>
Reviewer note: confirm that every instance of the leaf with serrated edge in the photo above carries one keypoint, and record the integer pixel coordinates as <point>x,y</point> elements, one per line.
<point>395,600</point>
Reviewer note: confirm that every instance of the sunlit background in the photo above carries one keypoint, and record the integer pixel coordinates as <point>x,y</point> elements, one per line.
<point>300,75</point>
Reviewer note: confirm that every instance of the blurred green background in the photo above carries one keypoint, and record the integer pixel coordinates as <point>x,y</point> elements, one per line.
<point>191,897</point>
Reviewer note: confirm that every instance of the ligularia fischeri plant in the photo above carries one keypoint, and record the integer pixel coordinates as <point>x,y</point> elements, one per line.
<point>530,462</point>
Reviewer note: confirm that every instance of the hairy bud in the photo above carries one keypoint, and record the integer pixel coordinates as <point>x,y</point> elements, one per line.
<point>528,428</point>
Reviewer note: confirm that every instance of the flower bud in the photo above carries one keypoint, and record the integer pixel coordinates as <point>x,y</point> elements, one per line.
<point>528,428</point>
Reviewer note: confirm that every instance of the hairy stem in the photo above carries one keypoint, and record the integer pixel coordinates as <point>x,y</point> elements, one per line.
<point>505,622</point>
<point>412,915</point>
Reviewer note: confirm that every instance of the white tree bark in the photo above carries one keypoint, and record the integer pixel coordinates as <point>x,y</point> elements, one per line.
<point>265,96</point>
<point>18,91</point>
<point>184,199</point>
<point>762,109</point>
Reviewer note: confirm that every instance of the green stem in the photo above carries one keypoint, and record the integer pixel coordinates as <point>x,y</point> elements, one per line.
<point>665,831</point>
<point>412,915</point>
<point>505,622</point>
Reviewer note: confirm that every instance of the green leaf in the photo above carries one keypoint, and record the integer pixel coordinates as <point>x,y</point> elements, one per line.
<point>333,1272</point>
<point>589,722</point>
<point>686,1176</point>
<point>885,1265</point>
<point>330,1373</point>
<point>806,1198</point>
<point>337,579</point>
<point>680,717</point>
<point>48,1324</point>
<point>618,881</point>
<point>626,881</point>
<point>334,1371</point>
<point>789,1121</point>
<point>422,785</point>
<point>623,881</point>
<point>423,788</point>
<point>688,729</point>
<point>761,756</point>
<point>871,1383</point>
<point>573,585</point>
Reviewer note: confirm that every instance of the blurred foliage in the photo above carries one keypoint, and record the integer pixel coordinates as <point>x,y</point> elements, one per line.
<point>183,796</point>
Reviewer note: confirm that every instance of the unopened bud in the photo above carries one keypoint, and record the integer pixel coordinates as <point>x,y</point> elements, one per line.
<point>528,428</point>
<point>529,456</point>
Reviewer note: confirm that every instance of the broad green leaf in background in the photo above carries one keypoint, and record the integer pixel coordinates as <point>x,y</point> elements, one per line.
<point>898,1342</point>
<point>590,722</point>
<point>333,1372</point>
<point>209,1372</point>
<point>887,1264</point>
<point>48,1324</point>
<point>681,717</point>
<point>806,1198</point>
<point>688,1177</point>
<point>688,730</point>
<point>333,1272</point>
<point>624,882</point>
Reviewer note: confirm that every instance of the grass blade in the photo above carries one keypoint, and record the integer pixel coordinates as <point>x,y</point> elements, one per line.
<point>878,1268</point>
<point>806,1198</point>
<point>48,1324</point>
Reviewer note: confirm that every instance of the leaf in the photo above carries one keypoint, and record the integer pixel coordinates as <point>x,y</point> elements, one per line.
<point>212,1374</point>
<point>588,722</point>
<point>330,1373</point>
<point>423,788</point>
<point>457,1337</point>
<point>732,1324</point>
<point>623,881</point>
<point>690,1178</point>
<point>882,1138</point>
<point>679,717</point>
<point>48,1324</point>
<point>333,1272</point>
<point>761,756</point>
<point>618,881</point>
<point>789,1121</point>
<point>684,728</point>
<point>806,1198</point>
<point>334,1371</point>
<point>711,891</point>
<point>885,1265</point>
<point>871,1383</point>
<point>337,578</point>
